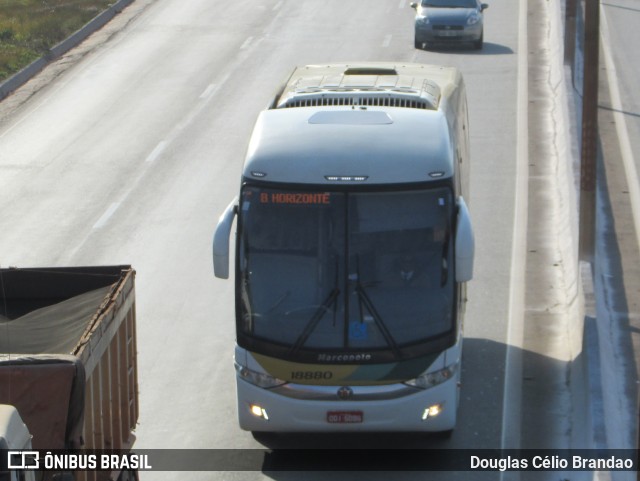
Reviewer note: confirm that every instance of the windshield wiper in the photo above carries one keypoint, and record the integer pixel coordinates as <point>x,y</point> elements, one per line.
<point>366,300</point>
<point>315,319</point>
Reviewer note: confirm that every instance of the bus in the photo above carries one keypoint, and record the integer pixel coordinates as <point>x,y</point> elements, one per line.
<point>353,247</point>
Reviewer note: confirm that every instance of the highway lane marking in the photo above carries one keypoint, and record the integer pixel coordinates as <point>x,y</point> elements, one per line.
<point>205,97</point>
<point>387,40</point>
<point>107,215</point>
<point>246,43</point>
<point>158,150</point>
<point>277,6</point>
<point>155,153</point>
<point>208,91</point>
<point>621,125</point>
<point>401,4</point>
<point>512,394</point>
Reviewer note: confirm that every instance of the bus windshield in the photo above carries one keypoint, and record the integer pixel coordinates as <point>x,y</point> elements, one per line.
<point>347,271</point>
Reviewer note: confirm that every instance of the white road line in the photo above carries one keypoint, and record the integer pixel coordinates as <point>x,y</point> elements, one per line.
<point>621,126</point>
<point>512,395</point>
<point>277,6</point>
<point>208,91</point>
<point>246,43</point>
<point>155,153</point>
<point>107,215</point>
<point>206,97</point>
<point>401,4</point>
<point>387,41</point>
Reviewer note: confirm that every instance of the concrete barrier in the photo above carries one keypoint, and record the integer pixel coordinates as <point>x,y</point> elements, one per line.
<point>23,76</point>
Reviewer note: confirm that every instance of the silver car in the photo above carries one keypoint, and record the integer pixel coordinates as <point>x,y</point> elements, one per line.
<point>440,21</point>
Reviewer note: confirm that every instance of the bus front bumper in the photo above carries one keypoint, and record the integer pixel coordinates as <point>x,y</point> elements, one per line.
<point>429,410</point>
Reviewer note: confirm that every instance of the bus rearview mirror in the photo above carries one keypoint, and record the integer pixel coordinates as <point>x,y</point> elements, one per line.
<point>465,244</point>
<point>221,241</point>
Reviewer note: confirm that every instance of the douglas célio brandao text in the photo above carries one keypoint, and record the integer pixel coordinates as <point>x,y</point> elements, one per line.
<point>550,462</point>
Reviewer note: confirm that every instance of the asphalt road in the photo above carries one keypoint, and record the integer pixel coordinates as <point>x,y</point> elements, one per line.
<point>620,19</point>
<point>618,241</point>
<point>130,153</point>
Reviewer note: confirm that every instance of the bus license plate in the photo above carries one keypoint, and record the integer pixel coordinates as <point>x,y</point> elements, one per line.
<point>344,416</point>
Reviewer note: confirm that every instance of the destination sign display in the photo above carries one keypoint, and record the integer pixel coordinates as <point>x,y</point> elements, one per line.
<point>306,198</point>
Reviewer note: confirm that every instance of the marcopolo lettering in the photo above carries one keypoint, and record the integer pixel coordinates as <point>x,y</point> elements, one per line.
<point>344,357</point>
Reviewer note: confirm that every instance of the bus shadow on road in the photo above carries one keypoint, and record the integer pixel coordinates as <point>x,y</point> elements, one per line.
<point>479,426</point>
<point>333,441</point>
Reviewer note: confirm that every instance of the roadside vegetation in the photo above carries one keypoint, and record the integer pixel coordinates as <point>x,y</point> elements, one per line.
<point>29,28</point>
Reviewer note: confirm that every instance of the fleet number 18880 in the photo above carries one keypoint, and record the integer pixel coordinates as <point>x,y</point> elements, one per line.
<point>311,375</point>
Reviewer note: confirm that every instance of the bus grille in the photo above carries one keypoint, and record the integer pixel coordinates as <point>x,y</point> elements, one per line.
<point>373,101</point>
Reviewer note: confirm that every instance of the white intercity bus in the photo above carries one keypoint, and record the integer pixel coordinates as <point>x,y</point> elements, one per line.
<point>353,249</point>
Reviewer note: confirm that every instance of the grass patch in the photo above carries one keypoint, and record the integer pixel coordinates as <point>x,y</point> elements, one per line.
<point>29,28</point>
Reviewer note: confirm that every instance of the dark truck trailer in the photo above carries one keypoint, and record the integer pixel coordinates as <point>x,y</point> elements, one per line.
<point>68,357</point>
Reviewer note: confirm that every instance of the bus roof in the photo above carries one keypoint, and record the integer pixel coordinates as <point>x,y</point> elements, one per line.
<point>368,123</point>
<point>318,146</point>
<point>372,82</point>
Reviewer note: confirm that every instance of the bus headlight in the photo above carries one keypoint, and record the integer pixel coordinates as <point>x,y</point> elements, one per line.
<point>259,379</point>
<point>430,379</point>
<point>258,411</point>
<point>432,411</point>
